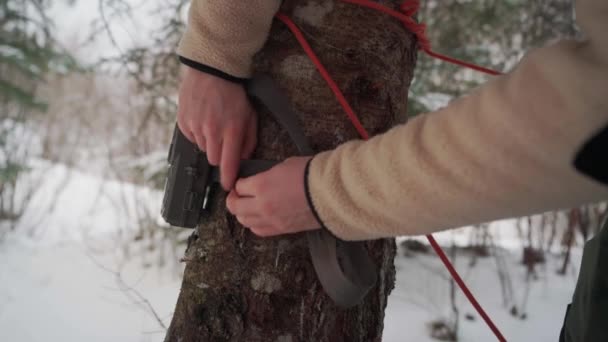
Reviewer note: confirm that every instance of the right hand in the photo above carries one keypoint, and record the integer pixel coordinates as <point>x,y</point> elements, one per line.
<point>216,115</point>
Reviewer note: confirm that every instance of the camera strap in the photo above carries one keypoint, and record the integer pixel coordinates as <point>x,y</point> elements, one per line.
<point>344,268</point>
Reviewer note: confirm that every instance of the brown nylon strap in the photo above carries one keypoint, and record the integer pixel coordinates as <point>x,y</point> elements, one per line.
<point>343,267</point>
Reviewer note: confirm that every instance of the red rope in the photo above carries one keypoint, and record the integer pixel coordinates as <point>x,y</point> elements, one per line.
<point>464,288</point>
<point>330,82</point>
<point>408,8</point>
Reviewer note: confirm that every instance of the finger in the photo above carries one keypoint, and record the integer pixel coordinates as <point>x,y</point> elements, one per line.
<point>241,206</point>
<point>201,142</point>
<point>251,138</point>
<point>231,156</point>
<point>185,130</point>
<point>214,148</point>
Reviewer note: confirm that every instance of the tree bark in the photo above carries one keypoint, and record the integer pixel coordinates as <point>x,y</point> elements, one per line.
<point>238,287</point>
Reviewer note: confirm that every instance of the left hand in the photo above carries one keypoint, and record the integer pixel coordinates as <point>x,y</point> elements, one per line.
<point>274,202</point>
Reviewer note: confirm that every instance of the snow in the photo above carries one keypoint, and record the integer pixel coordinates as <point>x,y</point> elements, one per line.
<point>71,205</point>
<point>72,278</point>
<point>71,270</point>
<point>9,51</point>
<point>62,293</point>
<point>421,295</point>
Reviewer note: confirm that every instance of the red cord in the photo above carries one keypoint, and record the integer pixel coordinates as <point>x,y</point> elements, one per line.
<point>330,82</point>
<point>409,8</point>
<point>464,288</point>
<point>462,63</point>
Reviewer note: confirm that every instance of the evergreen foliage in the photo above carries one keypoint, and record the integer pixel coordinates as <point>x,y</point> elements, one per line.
<point>491,33</point>
<point>28,53</point>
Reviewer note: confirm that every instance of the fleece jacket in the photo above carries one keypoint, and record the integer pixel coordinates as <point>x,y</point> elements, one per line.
<point>512,147</point>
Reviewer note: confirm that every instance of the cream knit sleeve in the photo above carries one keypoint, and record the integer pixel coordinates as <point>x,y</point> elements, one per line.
<point>225,34</point>
<point>505,150</point>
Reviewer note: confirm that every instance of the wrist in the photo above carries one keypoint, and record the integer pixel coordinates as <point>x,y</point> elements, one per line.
<point>211,70</point>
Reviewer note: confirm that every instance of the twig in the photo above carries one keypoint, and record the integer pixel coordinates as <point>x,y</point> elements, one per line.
<point>127,290</point>
<point>186,259</point>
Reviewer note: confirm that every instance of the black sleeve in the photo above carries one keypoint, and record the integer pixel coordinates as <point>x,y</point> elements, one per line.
<point>309,198</point>
<point>211,70</point>
<point>592,159</point>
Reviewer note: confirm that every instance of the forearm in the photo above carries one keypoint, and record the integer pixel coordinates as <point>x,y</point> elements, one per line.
<point>505,150</point>
<point>225,34</point>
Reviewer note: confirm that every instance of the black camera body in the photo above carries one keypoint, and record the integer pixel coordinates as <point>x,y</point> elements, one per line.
<point>191,181</point>
<point>188,184</point>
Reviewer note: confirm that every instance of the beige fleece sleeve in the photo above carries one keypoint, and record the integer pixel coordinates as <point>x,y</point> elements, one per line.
<point>505,150</point>
<point>225,34</point>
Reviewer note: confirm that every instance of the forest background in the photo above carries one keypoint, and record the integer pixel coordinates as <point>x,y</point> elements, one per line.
<point>87,107</point>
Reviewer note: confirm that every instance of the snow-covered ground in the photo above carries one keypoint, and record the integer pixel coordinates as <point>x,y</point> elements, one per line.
<point>68,275</point>
<point>67,292</point>
<point>421,295</point>
<point>71,269</point>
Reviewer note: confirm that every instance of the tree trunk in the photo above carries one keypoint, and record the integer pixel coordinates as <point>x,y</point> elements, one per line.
<point>238,287</point>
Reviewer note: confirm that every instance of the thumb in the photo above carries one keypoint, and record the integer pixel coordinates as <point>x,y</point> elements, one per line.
<point>248,187</point>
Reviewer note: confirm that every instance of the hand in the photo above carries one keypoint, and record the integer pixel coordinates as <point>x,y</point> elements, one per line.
<point>216,115</point>
<point>274,202</point>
